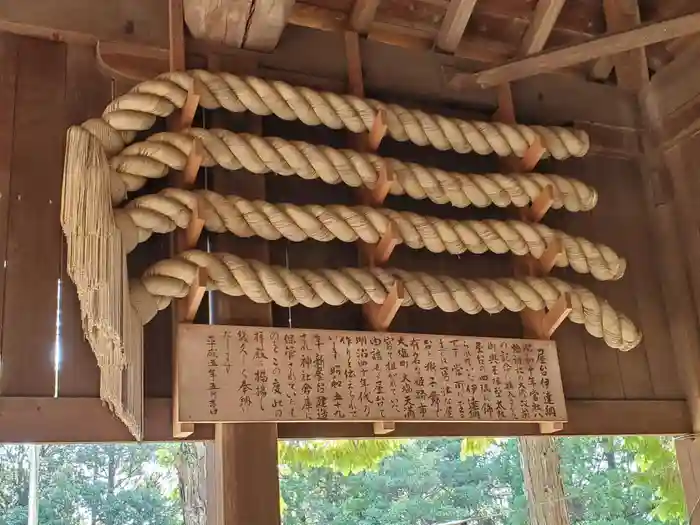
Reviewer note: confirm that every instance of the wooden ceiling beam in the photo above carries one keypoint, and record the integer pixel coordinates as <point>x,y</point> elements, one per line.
<point>631,67</point>
<point>543,21</point>
<point>251,24</point>
<point>362,15</point>
<point>454,24</point>
<point>606,45</point>
<point>138,22</point>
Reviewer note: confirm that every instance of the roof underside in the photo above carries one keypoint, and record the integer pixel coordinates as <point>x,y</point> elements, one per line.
<point>496,28</point>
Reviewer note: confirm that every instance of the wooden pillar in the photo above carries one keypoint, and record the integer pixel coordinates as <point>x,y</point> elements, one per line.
<point>538,454</point>
<point>246,485</point>
<point>546,502</point>
<point>688,458</point>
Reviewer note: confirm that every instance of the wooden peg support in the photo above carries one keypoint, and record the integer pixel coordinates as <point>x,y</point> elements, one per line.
<point>556,315</point>
<point>540,206</point>
<point>187,112</point>
<point>191,303</point>
<point>194,162</point>
<point>378,130</point>
<point>542,325</point>
<point>380,316</point>
<point>505,112</point>
<point>532,155</point>
<point>529,265</point>
<point>551,427</point>
<point>376,195</point>
<point>381,428</point>
<point>376,254</point>
<point>193,231</point>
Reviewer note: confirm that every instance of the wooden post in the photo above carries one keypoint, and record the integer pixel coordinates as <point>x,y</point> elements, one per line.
<point>688,459</point>
<point>244,480</point>
<point>184,310</point>
<point>377,316</point>
<point>539,455</point>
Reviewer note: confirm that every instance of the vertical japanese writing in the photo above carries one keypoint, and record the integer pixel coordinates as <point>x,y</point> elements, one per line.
<point>212,364</point>
<point>459,373</point>
<point>390,367</point>
<point>244,387</point>
<point>380,388</point>
<point>520,370</point>
<point>533,394</point>
<point>550,409</point>
<point>289,354</point>
<point>362,353</point>
<point>306,374</point>
<point>277,399</point>
<point>227,351</point>
<point>446,388</point>
<point>320,377</point>
<point>258,374</point>
<point>350,375</point>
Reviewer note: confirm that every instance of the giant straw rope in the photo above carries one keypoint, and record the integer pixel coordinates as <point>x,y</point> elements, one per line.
<point>163,151</point>
<point>138,109</point>
<point>232,275</point>
<point>91,185</point>
<point>173,208</point>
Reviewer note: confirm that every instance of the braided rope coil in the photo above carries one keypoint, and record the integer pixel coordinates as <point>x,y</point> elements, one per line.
<point>138,110</point>
<point>173,208</point>
<point>262,283</point>
<point>163,151</point>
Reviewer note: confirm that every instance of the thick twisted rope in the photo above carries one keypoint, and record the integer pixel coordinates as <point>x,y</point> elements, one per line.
<point>138,109</point>
<point>163,151</point>
<point>261,283</point>
<point>172,208</point>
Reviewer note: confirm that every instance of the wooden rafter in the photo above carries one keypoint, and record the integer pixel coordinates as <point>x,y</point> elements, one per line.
<point>631,68</point>
<point>251,24</point>
<point>454,24</point>
<point>606,45</point>
<point>543,21</point>
<point>363,14</point>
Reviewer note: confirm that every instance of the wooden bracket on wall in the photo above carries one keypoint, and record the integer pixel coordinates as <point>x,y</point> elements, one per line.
<point>377,316</point>
<point>536,324</point>
<point>194,162</point>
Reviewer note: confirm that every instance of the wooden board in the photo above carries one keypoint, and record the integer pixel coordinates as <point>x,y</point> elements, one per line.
<point>80,420</point>
<point>247,374</point>
<point>8,88</point>
<point>34,240</point>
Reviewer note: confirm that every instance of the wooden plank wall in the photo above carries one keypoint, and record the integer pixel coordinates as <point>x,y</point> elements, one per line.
<point>54,85</point>
<point>46,86</point>
<point>671,108</point>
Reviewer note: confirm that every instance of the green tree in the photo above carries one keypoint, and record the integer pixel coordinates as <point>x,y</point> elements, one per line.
<point>658,473</point>
<point>434,481</point>
<point>96,484</point>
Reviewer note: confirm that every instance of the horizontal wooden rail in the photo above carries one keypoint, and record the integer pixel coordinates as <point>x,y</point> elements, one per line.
<point>80,420</point>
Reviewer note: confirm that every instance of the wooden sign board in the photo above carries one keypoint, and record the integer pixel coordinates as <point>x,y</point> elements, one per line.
<point>247,374</point>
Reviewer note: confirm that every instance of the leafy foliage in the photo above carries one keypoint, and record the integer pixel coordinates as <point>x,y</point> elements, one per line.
<point>437,481</point>
<point>656,460</point>
<point>344,456</point>
<point>96,484</point>
<point>475,446</point>
<point>608,481</point>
